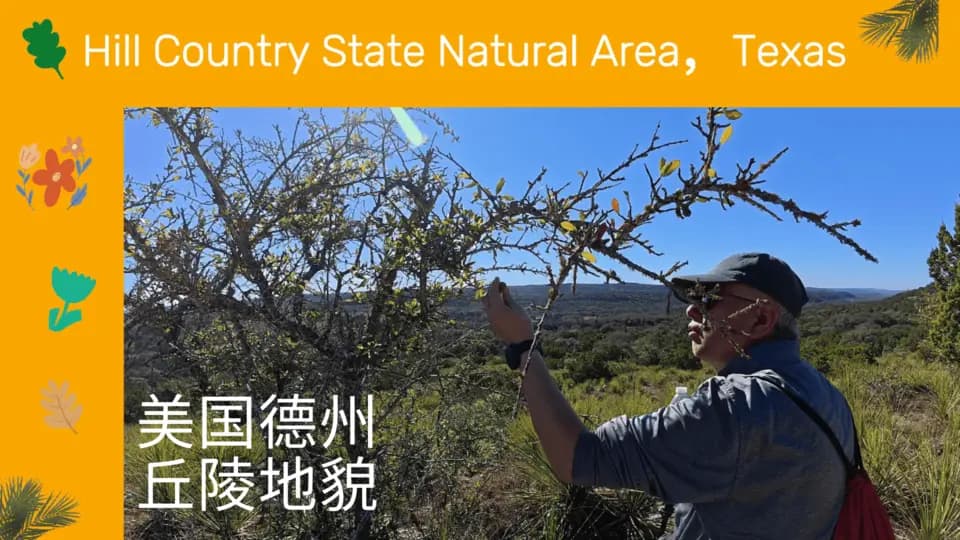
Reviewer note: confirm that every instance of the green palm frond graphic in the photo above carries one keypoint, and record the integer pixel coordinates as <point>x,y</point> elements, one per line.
<point>26,513</point>
<point>913,26</point>
<point>44,44</point>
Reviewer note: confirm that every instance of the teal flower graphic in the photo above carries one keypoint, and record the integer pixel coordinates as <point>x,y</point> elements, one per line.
<point>72,288</point>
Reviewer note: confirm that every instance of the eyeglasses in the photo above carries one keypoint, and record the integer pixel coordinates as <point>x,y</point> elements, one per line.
<point>707,301</point>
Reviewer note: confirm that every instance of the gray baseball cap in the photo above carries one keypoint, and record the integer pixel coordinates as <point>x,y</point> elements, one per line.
<point>761,271</point>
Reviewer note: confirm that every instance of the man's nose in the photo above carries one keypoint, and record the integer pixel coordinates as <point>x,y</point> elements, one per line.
<point>694,312</point>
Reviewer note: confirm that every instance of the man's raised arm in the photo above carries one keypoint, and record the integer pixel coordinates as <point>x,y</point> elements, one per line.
<point>558,426</point>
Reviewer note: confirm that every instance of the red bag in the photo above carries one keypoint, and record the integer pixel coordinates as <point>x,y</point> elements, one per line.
<point>862,516</point>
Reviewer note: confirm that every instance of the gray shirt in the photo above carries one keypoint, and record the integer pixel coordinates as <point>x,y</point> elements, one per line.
<point>738,458</point>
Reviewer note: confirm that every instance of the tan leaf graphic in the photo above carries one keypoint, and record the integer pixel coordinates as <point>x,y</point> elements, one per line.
<point>62,406</point>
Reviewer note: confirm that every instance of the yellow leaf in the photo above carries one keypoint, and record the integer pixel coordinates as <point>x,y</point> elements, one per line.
<point>500,185</point>
<point>63,409</point>
<point>615,204</point>
<point>727,132</point>
<point>589,257</point>
<point>667,167</point>
<point>711,173</point>
<point>567,226</point>
<point>732,114</point>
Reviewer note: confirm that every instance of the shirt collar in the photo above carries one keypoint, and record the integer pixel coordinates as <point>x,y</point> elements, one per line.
<point>765,355</point>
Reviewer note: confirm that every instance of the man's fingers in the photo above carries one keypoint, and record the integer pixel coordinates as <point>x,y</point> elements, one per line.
<point>507,299</point>
<point>493,297</point>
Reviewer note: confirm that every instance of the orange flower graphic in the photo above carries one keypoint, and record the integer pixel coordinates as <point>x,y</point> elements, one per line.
<point>73,147</point>
<point>58,175</point>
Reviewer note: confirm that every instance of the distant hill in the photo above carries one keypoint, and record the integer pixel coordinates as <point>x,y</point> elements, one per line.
<point>854,294</point>
<point>625,300</point>
<point>893,317</point>
<point>615,291</point>
<point>630,313</point>
<point>653,298</point>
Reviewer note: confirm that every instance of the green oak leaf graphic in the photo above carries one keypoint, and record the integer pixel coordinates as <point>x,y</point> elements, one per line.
<point>44,44</point>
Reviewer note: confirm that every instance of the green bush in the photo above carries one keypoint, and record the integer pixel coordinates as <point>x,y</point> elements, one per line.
<point>586,366</point>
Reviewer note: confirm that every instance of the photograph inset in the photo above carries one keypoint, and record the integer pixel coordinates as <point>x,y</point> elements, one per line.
<point>538,323</point>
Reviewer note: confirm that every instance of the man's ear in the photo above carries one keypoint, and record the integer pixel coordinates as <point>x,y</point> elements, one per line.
<point>767,318</point>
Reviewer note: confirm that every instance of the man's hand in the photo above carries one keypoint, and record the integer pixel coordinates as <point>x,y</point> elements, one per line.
<point>507,320</point>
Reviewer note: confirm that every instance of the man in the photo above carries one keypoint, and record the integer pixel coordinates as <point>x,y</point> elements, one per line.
<point>739,459</point>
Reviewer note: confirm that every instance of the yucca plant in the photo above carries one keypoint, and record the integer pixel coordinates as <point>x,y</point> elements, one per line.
<point>933,500</point>
<point>913,26</point>
<point>26,513</point>
<point>549,509</point>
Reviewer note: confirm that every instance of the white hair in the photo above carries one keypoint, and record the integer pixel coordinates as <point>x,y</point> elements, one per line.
<point>787,326</point>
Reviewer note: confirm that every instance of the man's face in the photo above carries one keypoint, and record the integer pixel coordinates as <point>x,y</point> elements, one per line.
<point>730,322</point>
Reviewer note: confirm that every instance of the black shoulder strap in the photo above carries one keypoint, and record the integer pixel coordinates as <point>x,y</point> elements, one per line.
<point>852,468</point>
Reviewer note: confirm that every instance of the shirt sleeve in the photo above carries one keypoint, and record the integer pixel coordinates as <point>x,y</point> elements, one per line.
<point>688,451</point>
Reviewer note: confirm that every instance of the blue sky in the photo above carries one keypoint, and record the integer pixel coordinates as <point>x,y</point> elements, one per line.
<point>888,167</point>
